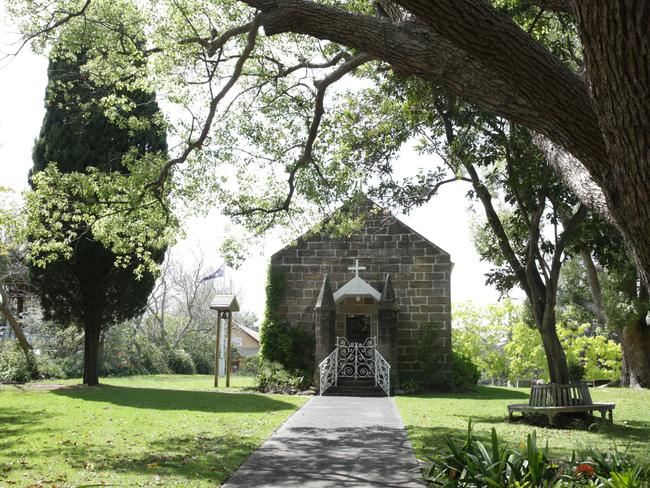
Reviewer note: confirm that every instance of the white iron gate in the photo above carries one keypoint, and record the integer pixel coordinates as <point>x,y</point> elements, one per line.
<point>355,360</point>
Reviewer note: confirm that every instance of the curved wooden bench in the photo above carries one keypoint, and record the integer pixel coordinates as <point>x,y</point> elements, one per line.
<point>553,399</point>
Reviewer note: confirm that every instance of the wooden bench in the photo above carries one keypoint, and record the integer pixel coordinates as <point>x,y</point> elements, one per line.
<point>553,399</point>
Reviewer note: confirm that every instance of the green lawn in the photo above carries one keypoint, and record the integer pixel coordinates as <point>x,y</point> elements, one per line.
<point>429,418</point>
<point>140,431</point>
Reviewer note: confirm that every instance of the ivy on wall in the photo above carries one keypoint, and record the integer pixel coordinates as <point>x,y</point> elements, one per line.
<point>280,342</point>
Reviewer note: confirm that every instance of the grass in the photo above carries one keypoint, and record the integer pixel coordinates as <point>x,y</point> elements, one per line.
<point>429,418</point>
<point>140,431</point>
<point>172,382</point>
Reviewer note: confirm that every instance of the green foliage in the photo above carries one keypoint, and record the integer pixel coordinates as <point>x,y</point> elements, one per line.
<point>274,289</point>
<point>465,372</point>
<point>481,332</point>
<point>474,464</point>
<point>180,362</point>
<point>576,370</point>
<point>250,365</point>
<point>273,377</point>
<point>504,343</point>
<point>428,339</point>
<point>13,363</point>
<point>280,342</point>
<point>126,353</point>
<point>290,346</point>
<point>412,386</point>
<point>524,351</point>
<point>91,284</point>
<point>201,348</point>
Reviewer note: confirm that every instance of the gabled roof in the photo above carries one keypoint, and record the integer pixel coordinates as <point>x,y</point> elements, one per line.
<point>357,286</point>
<point>252,333</point>
<point>366,202</point>
<point>225,303</point>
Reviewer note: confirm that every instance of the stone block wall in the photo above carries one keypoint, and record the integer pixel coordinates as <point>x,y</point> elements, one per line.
<point>420,272</point>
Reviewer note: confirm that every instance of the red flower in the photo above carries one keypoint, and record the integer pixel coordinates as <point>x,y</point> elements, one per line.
<point>584,470</point>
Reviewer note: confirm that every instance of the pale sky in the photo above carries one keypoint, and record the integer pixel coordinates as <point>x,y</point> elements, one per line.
<point>444,221</point>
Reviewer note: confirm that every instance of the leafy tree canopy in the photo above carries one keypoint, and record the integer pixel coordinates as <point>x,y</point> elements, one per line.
<point>258,123</point>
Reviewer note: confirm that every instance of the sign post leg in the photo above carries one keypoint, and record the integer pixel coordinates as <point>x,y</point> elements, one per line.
<point>228,350</point>
<point>217,348</point>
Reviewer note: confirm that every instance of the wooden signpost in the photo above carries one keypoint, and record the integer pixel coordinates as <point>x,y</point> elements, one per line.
<point>225,305</point>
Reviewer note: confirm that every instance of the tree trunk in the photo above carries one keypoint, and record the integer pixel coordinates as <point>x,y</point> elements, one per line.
<point>625,367</point>
<point>16,328</point>
<point>91,355</point>
<point>615,40</point>
<point>20,334</point>
<point>558,369</point>
<point>635,345</point>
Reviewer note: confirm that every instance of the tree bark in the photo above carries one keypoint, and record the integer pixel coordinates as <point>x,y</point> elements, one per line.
<point>91,355</point>
<point>615,39</point>
<point>15,325</point>
<point>635,344</point>
<point>558,369</point>
<point>596,306</point>
<point>575,176</point>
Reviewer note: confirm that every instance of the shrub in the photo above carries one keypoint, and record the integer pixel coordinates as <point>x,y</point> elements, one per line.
<point>429,342</point>
<point>290,346</point>
<point>72,366</point>
<point>411,386</point>
<point>476,465</point>
<point>152,358</point>
<point>576,370</point>
<point>249,365</point>
<point>465,372</point>
<point>180,362</point>
<point>273,377</point>
<point>13,363</point>
<point>202,351</point>
<point>49,368</point>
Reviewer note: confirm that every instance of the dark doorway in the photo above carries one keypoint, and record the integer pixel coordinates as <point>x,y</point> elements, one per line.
<point>357,328</point>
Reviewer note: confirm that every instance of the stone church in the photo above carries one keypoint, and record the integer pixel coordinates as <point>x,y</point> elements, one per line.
<point>377,303</point>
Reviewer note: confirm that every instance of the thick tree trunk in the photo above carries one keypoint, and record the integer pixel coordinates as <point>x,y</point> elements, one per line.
<point>615,38</point>
<point>91,355</point>
<point>635,345</point>
<point>558,368</point>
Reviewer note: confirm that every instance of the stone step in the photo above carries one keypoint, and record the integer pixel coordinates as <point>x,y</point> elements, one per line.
<point>354,393</point>
<point>358,387</point>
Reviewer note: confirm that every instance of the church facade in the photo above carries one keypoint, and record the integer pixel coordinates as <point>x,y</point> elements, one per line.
<point>385,286</point>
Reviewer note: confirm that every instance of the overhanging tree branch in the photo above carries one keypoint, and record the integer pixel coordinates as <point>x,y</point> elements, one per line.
<point>306,155</point>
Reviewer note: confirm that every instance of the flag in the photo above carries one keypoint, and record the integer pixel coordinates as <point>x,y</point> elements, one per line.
<point>217,274</point>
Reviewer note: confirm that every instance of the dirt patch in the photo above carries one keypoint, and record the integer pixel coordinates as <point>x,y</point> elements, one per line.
<point>35,386</point>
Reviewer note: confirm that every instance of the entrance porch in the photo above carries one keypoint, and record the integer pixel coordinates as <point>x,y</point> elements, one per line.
<point>356,336</point>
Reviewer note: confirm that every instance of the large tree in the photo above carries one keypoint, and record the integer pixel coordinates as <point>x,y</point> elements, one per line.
<point>530,220</point>
<point>88,287</point>
<point>590,116</point>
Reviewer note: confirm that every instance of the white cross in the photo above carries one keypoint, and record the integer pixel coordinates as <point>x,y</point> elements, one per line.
<point>356,268</point>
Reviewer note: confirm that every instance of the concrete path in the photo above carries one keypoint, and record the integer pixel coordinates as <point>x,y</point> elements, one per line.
<point>334,441</point>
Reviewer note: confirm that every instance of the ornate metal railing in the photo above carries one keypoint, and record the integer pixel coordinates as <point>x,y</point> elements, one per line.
<point>382,372</point>
<point>328,370</point>
<point>355,360</point>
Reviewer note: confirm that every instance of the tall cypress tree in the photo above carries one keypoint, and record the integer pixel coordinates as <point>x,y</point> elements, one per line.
<point>87,289</point>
